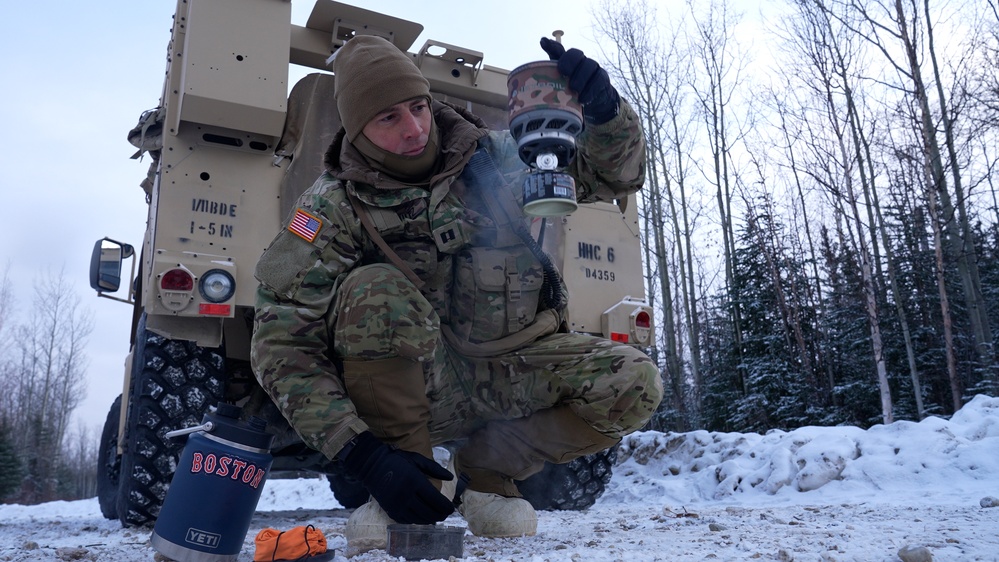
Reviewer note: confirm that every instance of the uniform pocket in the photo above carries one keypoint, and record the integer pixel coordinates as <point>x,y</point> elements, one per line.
<point>496,292</point>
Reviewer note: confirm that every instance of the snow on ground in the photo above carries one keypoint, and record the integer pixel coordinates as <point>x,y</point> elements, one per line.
<point>815,493</point>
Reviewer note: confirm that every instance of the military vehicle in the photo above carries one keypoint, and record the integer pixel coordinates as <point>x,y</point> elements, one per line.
<point>231,149</point>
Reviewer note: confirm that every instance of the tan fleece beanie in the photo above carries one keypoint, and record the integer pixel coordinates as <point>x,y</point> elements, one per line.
<point>372,74</point>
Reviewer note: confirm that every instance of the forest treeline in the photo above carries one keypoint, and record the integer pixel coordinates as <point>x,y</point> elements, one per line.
<point>43,365</point>
<point>820,216</point>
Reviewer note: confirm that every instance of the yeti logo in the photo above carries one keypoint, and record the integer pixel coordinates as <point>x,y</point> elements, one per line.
<point>203,538</point>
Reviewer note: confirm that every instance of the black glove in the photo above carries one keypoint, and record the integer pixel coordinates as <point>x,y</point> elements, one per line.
<point>590,82</point>
<point>398,480</point>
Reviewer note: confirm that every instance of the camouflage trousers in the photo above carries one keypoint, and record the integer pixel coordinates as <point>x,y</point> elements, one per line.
<point>378,314</point>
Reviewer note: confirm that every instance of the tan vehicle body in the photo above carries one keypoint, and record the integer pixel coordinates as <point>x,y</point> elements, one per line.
<point>220,193</point>
<point>236,150</point>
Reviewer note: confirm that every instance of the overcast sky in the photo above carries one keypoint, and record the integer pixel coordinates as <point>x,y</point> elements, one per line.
<point>76,77</point>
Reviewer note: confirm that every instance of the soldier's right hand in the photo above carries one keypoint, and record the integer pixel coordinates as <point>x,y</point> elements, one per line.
<point>399,481</point>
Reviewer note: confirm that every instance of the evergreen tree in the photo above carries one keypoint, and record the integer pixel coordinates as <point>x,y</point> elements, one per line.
<point>856,387</point>
<point>10,465</point>
<point>723,388</point>
<point>777,387</point>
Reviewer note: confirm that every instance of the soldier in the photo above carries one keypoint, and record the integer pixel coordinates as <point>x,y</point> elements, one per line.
<point>377,336</point>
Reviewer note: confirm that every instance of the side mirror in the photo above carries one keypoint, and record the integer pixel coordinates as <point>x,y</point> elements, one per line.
<point>105,264</point>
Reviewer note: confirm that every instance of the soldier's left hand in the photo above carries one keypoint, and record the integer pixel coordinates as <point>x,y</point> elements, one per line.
<point>590,82</point>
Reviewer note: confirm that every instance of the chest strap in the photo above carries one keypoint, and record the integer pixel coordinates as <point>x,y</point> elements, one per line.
<point>362,213</point>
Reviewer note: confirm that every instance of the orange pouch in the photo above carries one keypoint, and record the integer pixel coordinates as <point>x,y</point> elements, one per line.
<point>296,543</point>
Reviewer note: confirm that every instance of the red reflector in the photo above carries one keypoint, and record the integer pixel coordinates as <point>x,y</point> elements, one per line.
<point>214,309</point>
<point>177,280</point>
<point>618,336</point>
<point>643,320</point>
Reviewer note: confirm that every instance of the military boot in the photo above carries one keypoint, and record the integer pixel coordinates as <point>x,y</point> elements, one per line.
<point>508,450</point>
<point>390,396</point>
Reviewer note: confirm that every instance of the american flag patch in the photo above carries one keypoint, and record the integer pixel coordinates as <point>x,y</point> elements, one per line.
<point>305,225</point>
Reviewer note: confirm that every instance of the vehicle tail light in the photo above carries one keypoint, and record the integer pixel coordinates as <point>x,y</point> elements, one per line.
<point>643,320</point>
<point>176,280</point>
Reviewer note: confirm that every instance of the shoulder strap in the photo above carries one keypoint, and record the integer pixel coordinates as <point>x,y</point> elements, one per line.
<point>362,213</point>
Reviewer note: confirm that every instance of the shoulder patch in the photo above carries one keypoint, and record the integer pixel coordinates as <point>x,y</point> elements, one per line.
<point>305,225</point>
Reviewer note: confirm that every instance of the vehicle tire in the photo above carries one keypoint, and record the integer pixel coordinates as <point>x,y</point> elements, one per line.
<point>575,485</point>
<point>109,463</point>
<point>173,384</point>
<point>348,491</point>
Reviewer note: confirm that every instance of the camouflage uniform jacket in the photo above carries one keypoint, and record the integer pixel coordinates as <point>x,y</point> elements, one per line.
<point>291,352</point>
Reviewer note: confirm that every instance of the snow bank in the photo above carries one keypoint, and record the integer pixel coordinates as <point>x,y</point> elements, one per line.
<point>954,459</point>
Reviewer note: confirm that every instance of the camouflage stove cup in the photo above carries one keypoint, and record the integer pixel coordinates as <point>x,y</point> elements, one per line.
<point>545,115</point>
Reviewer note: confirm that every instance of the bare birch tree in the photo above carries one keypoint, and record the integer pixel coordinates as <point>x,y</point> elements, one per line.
<point>839,163</point>
<point>894,26</point>
<point>714,84</point>
<point>790,131</point>
<point>650,72</point>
